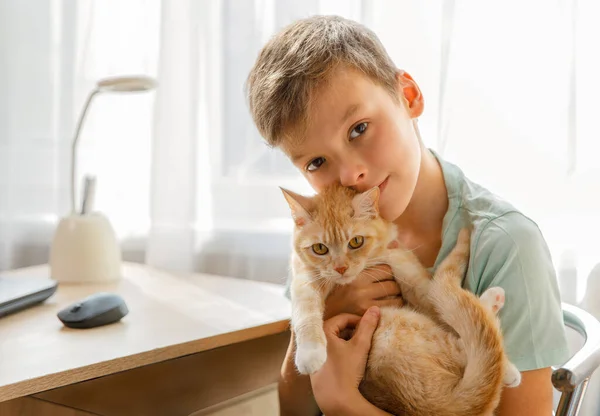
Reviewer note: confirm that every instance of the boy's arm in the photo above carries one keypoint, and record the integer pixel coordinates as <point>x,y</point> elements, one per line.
<point>295,392</point>
<point>532,397</point>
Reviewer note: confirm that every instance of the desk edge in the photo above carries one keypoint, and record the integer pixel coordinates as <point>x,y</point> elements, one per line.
<point>101,369</point>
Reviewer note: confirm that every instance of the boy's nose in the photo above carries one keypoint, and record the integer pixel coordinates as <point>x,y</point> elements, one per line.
<point>351,176</point>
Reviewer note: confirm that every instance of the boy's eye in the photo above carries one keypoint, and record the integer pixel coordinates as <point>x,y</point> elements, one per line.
<point>315,164</point>
<point>358,130</point>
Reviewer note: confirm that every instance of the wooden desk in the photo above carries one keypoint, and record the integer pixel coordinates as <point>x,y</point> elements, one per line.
<point>184,337</point>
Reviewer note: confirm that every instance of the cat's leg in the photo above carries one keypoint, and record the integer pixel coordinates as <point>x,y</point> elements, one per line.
<point>493,299</point>
<point>453,268</point>
<point>448,278</point>
<point>414,280</point>
<point>307,323</point>
<point>412,277</point>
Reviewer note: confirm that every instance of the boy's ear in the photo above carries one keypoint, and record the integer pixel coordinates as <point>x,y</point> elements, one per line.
<point>366,204</point>
<point>411,93</point>
<point>299,205</point>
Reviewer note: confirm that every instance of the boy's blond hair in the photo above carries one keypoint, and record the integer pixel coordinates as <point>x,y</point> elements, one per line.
<point>298,59</point>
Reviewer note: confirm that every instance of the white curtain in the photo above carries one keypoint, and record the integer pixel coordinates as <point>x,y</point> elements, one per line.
<point>510,91</point>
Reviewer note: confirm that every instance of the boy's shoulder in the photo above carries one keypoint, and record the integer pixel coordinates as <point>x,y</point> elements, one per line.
<point>502,235</point>
<point>473,202</point>
<point>498,227</point>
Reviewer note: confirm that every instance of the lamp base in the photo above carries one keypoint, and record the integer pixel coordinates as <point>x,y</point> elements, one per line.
<point>85,250</point>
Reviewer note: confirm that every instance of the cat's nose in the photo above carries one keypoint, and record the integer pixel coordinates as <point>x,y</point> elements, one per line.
<point>341,269</point>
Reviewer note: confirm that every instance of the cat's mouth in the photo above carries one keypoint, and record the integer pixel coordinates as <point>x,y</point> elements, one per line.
<point>344,280</point>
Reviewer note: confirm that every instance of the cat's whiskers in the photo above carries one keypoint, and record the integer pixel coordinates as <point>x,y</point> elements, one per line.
<point>371,274</point>
<point>375,279</point>
<point>415,248</point>
<point>320,280</point>
<point>315,277</point>
<point>370,266</point>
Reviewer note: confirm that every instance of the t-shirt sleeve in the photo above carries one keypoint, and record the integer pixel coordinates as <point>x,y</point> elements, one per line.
<point>511,252</point>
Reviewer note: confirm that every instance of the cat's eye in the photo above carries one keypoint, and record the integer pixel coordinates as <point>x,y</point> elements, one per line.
<point>356,242</point>
<point>358,130</point>
<point>320,249</point>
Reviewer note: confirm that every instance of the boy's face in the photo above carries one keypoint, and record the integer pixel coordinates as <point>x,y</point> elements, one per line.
<point>359,136</point>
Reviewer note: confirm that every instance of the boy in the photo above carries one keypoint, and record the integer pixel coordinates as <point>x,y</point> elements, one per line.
<point>325,91</point>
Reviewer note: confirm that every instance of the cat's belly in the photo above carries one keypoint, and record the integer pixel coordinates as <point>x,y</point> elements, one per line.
<point>411,358</point>
<point>403,332</point>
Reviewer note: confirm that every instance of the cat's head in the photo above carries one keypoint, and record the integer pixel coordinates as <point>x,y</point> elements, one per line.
<point>338,232</point>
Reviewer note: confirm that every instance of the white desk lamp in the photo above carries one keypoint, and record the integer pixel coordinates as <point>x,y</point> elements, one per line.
<point>85,248</point>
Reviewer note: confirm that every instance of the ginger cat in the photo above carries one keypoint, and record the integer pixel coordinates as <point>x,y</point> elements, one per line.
<point>441,354</point>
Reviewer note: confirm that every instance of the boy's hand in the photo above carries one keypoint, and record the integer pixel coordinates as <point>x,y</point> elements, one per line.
<point>373,287</point>
<point>335,385</point>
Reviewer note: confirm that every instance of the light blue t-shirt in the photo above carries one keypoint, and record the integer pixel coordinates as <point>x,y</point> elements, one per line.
<point>507,250</point>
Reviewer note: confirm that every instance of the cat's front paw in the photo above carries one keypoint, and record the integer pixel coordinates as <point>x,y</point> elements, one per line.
<point>310,357</point>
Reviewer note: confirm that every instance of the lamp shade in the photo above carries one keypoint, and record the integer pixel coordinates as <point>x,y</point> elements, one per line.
<point>126,84</point>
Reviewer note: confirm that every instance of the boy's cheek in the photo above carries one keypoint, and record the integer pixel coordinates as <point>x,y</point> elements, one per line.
<point>316,183</point>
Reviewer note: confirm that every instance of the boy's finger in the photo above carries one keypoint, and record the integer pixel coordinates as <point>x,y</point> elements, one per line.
<point>366,327</point>
<point>336,324</point>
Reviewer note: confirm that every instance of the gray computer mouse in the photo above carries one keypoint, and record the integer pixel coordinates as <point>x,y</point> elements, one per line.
<point>95,310</point>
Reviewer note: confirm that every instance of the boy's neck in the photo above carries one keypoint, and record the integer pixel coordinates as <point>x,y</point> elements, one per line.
<point>424,216</point>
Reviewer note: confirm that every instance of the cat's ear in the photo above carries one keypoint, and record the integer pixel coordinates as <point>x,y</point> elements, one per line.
<point>299,205</point>
<point>366,204</point>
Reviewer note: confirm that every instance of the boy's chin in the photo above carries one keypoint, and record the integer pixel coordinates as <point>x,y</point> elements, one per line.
<point>384,211</point>
<point>390,213</point>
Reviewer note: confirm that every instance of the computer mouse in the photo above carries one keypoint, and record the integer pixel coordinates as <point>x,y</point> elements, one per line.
<point>95,310</point>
